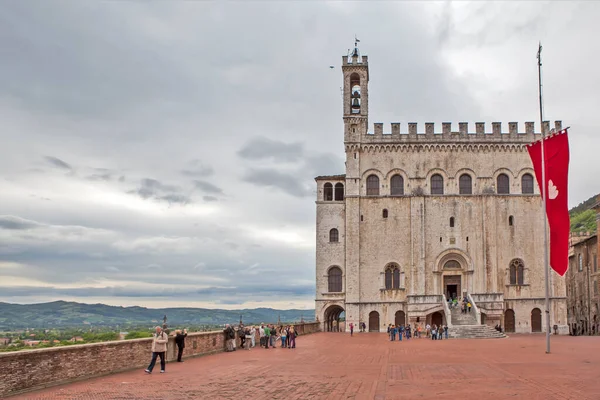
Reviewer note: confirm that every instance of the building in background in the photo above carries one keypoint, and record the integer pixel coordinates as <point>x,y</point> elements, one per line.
<point>419,218</point>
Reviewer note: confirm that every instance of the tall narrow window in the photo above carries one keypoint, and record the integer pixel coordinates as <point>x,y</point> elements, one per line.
<point>451,222</point>
<point>392,277</point>
<point>527,184</point>
<point>595,263</point>
<point>372,185</point>
<point>503,184</point>
<point>580,263</point>
<point>328,192</point>
<point>334,280</point>
<point>437,184</point>
<point>465,184</point>
<point>339,191</point>
<point>397,184</point>
<point>517,272</point>
<point>385,213</point>
<point>511,220</point>
<point>334,235</point>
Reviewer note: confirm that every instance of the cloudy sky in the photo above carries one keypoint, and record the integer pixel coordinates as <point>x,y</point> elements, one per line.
<point>163,153</point>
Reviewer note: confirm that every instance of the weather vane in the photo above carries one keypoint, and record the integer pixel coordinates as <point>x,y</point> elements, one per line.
<point>356,41</point>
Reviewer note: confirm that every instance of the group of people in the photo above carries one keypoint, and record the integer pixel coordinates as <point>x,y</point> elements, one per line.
<point>434,332</point>
<point>269,335</point>
<point>159,347</point>
<point>465,306</point>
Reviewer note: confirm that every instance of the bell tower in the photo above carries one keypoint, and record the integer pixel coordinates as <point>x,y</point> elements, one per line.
<point>355,69</point>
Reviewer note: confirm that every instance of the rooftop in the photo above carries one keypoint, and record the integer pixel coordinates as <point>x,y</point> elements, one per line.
<point>367,366</point>
<point>330,177</point>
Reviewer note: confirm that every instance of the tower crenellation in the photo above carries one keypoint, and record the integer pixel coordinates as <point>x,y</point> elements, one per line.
<point>481,133</point>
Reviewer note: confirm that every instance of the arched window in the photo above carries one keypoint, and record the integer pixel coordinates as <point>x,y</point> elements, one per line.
<point>511,220</point>
<point>451,222</point>
<point>339,191</point>
<point>328,192</point>
<point>527,184</point>
<point>372,185</point>
<point>334,236</point>
<point>392,277</point>
<point>452,264</point>
<point>355,93</point>
<point>385,213</point>
<point>503,184</point>
<point>335,279</point>
<point>517,271</point>
<point>465,184</point>
<point>580,263</point>
<point>437,184</point>
<point>397,184</point>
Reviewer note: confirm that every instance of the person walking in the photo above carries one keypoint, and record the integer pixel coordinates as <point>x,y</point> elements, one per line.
<point>159,348</point>
<point>180,341</point>
<point>267,336</point>
<point>283,335</point>
<point>253,335</point>
<point>292,336</point>
<point>351,328</point>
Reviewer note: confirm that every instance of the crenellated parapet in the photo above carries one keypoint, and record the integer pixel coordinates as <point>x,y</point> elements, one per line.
<point>481,133</point>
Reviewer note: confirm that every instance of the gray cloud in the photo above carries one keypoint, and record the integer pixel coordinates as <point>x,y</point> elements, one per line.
<point>272,178</point>
<point>260,148</point>
<point>208,187</point>
<point>57,162</point>
<point>209,198</point>
<point>198,169</point>
<point>15,223</point>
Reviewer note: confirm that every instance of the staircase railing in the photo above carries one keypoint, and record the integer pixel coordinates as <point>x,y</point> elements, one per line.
<point>447,311</point>
<point>474,307</point>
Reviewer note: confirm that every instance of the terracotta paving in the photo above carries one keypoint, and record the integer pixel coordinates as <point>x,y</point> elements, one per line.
<point>367,366</point>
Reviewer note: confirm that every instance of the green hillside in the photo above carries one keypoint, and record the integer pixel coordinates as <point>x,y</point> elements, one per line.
<point>583,218</point>
<point>70,314</point>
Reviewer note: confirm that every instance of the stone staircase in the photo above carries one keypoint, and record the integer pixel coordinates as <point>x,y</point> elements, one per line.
<point>474,332</point>
<point>465,326</point>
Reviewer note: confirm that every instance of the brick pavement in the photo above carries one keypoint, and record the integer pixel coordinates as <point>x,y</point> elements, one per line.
<point>367,366</point>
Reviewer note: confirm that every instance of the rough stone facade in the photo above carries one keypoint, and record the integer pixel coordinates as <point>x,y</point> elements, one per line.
<point>583,290</point>
<point>450,211</point>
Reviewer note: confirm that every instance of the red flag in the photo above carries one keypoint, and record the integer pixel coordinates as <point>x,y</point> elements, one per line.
<point>556,154</point>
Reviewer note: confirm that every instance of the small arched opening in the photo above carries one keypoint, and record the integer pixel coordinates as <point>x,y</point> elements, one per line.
<point>373,321</point>
<point>328,192</point>
<point>437,318</point>
<point>536,320</point>
<point>509,320</point>
<point>400,318</point>
<point>333,316</point>
<point>339,191</point>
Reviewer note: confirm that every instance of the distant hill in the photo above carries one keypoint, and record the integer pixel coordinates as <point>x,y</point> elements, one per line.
<point>583,219</point>
<point>71,314</point>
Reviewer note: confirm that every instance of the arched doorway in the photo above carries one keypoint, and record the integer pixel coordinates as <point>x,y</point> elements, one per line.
<point>332,318</point>
<point>536,320</point>
<point>483,318</point>
<point>373,321</point>
<point>436,318</point>
<point>509,321</point>
<point>400,318</point>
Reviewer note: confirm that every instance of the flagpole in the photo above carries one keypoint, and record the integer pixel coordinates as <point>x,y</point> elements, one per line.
<point>546,270</point>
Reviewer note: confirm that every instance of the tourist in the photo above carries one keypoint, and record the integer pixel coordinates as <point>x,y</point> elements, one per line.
<point>393,331</point>
<point>283,335</point>
<point>253,335</point>
<point>229,337</point>
<point>408,334</point>
<point>180,341</point>
<point>446,331</point>
<point>434,332</point>
<point>364,326</point>
<point>427,330</point>
<point>249,338</point>
<point>469,306</point>
<point>400,332</point>
<point>292,336</point>
<point>351,328</point>
<point>267,336</point>
<point>273,335</point>
<point>242,335</point>
<point>159,347</point>
<point>262,335</point>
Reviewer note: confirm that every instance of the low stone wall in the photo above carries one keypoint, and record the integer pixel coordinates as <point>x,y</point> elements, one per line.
<point>28,370</point>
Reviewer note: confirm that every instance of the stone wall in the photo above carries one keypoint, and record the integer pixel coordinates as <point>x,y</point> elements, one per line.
<point>35,369</point>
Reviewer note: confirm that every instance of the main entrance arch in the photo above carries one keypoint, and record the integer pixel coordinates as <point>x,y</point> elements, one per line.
<point>373,321</point>
<point>453,268</point>
<point>536,320</point>
<point>509,320</point>
<point>332,318</point>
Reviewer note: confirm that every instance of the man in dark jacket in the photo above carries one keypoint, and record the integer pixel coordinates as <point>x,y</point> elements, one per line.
<point>229,337</point>
<point>242,335</point>
<point>180,341</point>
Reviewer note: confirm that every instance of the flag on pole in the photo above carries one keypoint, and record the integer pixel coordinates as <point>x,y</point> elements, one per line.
<point>556,151</point>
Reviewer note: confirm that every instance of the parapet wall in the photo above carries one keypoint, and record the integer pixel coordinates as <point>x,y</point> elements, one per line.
<point>27,370</point>
<point>463,133</point>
